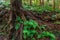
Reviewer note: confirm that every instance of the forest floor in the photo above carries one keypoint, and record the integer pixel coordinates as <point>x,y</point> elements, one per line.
<point>53,24</point>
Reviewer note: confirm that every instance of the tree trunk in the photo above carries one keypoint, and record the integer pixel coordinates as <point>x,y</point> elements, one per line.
<point>53,4</point>
<point>40,2</point>
<point>30,2</point>
<point>59,3</point>
<point>15,7</point>
<point>20,1</point>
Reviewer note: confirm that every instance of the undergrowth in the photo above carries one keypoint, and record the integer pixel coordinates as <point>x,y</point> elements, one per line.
<point>41,9</point>
<point>30,29</point>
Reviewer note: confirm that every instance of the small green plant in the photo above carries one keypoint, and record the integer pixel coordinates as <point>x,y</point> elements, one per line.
<point>45,33</point>
<point>17,26</point>
<point>30,29</point>
<point>18,21</point>
<point>42,27</point>
<point>31,23</point>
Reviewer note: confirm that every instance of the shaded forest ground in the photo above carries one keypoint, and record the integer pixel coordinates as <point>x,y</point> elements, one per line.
<point>40,19</point>
<point>7,22</point>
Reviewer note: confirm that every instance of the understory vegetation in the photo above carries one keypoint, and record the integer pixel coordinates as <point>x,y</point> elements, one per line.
<point>41,9</point>
<point>30,20</point>
<point>30,30</point>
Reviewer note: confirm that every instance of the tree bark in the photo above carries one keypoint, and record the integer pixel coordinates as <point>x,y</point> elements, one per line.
<point>59,4</point>
<point>30,2</point>
<point>53,4</point>
<point>41,2</point>
<point>15,7</point>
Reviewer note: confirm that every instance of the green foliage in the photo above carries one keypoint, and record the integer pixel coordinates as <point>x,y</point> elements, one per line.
<point>57,22</point>
<point>47,34</point>
<point>41,9</point>
<point>17,26</point>
<point>48,8</point>
<point>18,21</point>
<point>57,10</point>
<point>6,5</point>
<point>26,7</point>
<point>29,28</point>
<point>42,27</point>
<point>13,38</point>
<point>33,8</point>
<point>29,33</point>
<point>33,39</point>
<point>53,17</point>
<point>31,23</point>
